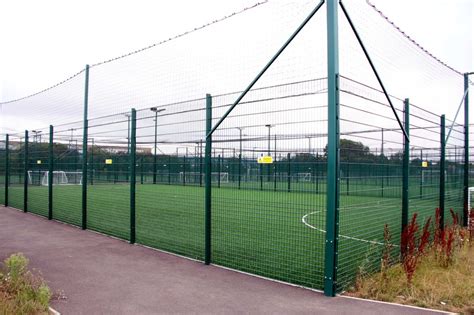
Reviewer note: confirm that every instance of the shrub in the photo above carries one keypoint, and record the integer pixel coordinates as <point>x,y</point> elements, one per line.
<point>21,291</point>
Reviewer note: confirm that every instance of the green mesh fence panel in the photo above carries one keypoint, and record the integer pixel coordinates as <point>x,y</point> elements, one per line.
<point>269,219</point>
<point>454,171</point>
<point>16,190</point>
<point>38,154</point>
<point>425,151</point>
<point>371,179</point>
<point>67,197</point>
<point>170,192</point>
<point>108,188</point>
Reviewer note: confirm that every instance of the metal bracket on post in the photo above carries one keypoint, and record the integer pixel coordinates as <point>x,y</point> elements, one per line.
<point>84,150</point>
<point>133,179</point>
<point>207,181</point>
<point>442,169</point>
<point>406,165</point>
<point>25,175</point>
<point>332,194</point>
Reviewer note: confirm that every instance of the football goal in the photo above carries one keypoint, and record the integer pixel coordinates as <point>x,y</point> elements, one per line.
<point>432,176</point>
<point>59,178</point>
<point>193,177</point>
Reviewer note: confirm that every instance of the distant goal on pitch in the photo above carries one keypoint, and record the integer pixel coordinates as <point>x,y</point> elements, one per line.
<point>195,177</point>
<point>58,178</point>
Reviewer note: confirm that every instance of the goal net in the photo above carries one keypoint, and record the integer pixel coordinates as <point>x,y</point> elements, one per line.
<point>432,176</point>
<point>59,178</point>
<point>194,177</point>
<point>303,177</point>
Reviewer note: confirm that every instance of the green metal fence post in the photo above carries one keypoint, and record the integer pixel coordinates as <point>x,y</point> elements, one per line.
<point>133,179</point>
<point>84,150</point>
<point>50,172</point>
<point>208,170</point>
<point>289,171</point>
<point>7,167</point>
<point>219,161</point>
<point>200,163</point>
<point>421,175</point>
<point>141,170</point>
<point>240,169</point>
<point>184,170</point>
<point>466,150</point>
<point>442,169</point>
<point>406,164</point>
<point>25,174</point>
<point>332,194</point>
<point>169,169</point>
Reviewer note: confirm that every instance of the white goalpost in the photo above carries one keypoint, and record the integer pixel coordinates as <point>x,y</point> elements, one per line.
<point>193,177</point>
<point>59,178</point>
<point>469,204</point>
<point>432,176</point>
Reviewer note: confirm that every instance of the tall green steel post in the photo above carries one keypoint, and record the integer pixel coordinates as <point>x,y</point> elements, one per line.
<point>7,167</point>
<point>442,170</point>
<point>466,150</point>
<point>406,165</point>
<point>25,174</point>
<point>133,178</point>
<point>332,195</point>
<point>50,172</point>
<point>207,180</point>
<point>84,150</point>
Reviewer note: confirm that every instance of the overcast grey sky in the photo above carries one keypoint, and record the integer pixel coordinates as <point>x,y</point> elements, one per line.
<point>45,41</point>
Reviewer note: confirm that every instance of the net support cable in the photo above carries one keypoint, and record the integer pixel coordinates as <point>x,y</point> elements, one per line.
<point>266,67</point>
<point>346,14</point>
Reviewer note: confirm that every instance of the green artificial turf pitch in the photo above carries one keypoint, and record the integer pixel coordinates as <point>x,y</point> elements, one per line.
<point>274,234</point>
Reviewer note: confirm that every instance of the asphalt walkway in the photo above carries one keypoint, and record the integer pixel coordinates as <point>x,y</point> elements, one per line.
<point>102,275</point>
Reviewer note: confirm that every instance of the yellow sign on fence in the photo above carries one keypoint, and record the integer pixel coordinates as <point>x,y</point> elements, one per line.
<point>265,160</point>
<point>424,164</point>
<point>38,162</point>
<point>108,161</point>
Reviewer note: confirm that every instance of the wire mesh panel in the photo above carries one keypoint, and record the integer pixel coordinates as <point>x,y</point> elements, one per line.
<point>406,72</point>
<point>454,201</point>
<point>38,156</point>
<point>269,217</point>
<point>67,175</point>
<point>371,146</point>
<point>425,153</point>
<point>108,197</point>
<point>170,198</point>
<point>17,171</point>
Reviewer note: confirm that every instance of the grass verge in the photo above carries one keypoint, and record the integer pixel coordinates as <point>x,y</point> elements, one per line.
<point>448,288</point>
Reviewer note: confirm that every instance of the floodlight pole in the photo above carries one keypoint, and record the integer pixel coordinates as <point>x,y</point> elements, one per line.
<point>156,111</point>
